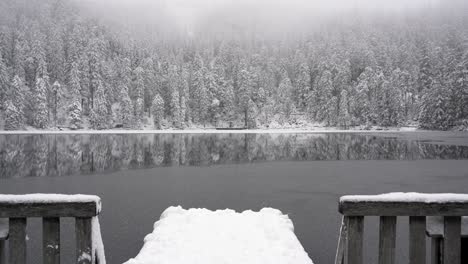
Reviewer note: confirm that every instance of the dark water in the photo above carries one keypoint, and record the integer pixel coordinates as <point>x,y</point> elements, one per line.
<point>138,176</point>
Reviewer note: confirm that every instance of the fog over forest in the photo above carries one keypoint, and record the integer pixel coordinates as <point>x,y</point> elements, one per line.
<point>101,64</point>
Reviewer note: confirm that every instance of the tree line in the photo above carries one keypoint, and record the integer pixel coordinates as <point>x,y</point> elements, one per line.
<point>60,68</point>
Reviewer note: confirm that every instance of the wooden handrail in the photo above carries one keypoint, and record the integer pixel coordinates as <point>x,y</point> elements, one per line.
<point>50,207</point>
<point>389,207</point>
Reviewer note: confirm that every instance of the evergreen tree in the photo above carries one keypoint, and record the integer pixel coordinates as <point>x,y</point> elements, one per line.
<point>74,109</point>
<point>157,109</point>
<point>126,108</point>
<point>285,99</point>
<point>344,119</point>
<point>16,95</point>
<point>100,114</point>
<point>41,115</point>
<point>13,117</point>
<point>74,115</point>
<point>244,94</point>
<point>4,81</point>
<point>302,88</point>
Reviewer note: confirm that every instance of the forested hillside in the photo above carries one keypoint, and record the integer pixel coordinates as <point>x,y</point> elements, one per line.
<point>60,67</point>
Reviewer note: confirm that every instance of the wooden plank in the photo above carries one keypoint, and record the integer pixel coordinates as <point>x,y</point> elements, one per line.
<point>51,240</point>
<point>417,239</point>
<point>2,252</point>
<point>3,228</point>
<point>340,250</point>
<point>435,226</point>
<point>387,239</point>
<point>84,250</point>
<point>436,246</point>
<point>354,250</point>
<point>403,208</point>
<point>17,241</point>
<point>452,240</point>
<point>75,209</point>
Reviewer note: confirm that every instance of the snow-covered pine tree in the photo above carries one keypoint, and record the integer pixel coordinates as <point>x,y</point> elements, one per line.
<point>93,61</point>
<point>13,117</point>
<point>285,103</point>
<point>40,115</point>
<point>59,102</point>
<point>344,119</point>
<point>126,108</point>
<point>74,115</point>
<point>73,102</point>
<point>244,94</point>
<point>4,81</point>
<point>302,86</point>
<point>440,117</point>
<point>175,108</point>
<point>16,95</point>
<point>100,115</point>
<point>157,110</point>
<point>361,104</point>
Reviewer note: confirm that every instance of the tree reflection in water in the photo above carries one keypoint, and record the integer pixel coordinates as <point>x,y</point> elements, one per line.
<point>59,155</point>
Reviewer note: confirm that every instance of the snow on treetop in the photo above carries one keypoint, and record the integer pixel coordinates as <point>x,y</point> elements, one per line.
<point>50,198</point>
<point>222,236</point>
<point>408,197</point>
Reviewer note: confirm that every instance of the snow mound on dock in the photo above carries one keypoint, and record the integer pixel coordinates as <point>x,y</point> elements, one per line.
<point>408,197</point>
<point>224,236</point>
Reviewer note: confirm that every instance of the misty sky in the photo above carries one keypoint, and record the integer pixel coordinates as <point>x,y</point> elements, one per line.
<point>193,15</point>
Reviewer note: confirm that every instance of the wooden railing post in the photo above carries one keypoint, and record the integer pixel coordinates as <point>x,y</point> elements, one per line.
<point>452,242</point>
<point>417,239</point>
<point>387,239</point>
<point>84,250</point>
<point>51,240</point>
<point>2,252</point>
<point>4,230</point>
<point>355,241</point>
<point>340,250</point>
<point>17,241</point>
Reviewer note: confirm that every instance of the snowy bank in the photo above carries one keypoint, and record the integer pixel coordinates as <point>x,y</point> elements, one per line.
<point>410,197</point>
<point>224,236</point>
<point>208,131</point>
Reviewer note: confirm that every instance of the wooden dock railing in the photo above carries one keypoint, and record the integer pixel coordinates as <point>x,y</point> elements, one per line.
<point>51,208</point>
<point>390,206</point>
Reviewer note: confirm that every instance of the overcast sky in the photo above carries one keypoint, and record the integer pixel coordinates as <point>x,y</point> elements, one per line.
<point>193,15</point>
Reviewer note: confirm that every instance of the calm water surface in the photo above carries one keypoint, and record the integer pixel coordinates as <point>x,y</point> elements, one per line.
<point>138,176</point>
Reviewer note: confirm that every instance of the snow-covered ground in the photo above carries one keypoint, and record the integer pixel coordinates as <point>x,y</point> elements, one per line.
<point>224,236</point>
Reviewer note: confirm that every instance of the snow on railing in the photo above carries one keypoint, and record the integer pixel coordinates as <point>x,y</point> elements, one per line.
<point>417,206</point>
<point>51,207</point>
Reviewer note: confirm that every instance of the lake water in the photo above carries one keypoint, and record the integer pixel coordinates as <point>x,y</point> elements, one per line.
<point>303,175</point>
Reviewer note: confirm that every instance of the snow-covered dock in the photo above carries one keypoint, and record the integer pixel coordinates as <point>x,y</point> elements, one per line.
<point>224,236</point>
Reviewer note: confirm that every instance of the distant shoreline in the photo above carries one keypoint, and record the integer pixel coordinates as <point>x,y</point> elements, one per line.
<point>211,131</point>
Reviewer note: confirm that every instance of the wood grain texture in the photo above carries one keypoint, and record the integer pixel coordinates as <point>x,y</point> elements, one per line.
<point>354,250</point>
<point>3,228</point>
<point>51,240</point>
<point>452,239</point>
<point>387,239</point>
<point>84,250</point>
<point>17,241</point>
<point>20,210</point>
<point>2,252</point>
<point>417,240</point>
<point>340,250</point>
<point>403,209</point>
